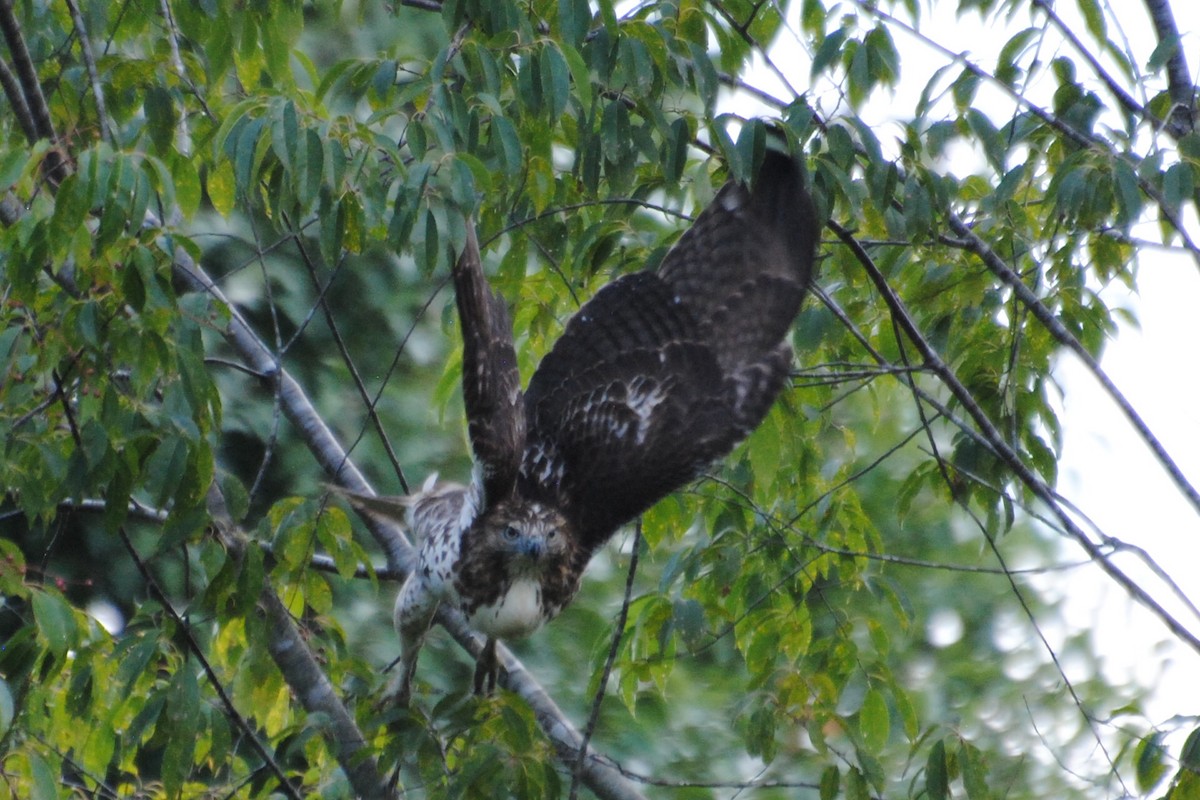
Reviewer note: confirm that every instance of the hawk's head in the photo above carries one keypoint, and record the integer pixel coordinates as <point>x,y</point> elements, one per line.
<point>528,538</point>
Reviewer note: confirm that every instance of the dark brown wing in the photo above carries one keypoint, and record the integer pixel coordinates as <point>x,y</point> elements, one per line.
<point>491,382</point>
<point>661,373</point>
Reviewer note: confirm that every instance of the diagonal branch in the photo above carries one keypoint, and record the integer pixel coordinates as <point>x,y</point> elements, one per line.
<point>603,778</point>
<point>89,60</point>
<point>1064,337</point>
<point>302,672</point>
<point>1000,446</point>
<point>1182,120</point>
<point>31,90</point>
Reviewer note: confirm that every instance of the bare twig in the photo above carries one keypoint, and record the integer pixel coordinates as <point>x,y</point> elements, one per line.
<point>89,61</point>
<point>613,648</point>
<point>185,136</point>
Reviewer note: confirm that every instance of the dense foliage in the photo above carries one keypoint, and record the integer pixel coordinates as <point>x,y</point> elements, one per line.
<point>226,234</point>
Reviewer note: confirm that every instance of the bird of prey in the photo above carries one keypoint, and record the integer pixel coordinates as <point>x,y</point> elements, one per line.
<point>658,375</point>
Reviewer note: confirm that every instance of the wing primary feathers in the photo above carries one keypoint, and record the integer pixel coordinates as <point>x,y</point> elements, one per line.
<point>491,381</point>
<point>663,372</point>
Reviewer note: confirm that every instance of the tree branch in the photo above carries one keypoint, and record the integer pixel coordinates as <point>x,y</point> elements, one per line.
<point>599,775</point>
<point>1000,447</point>
<point>31,89</point>
<point>1025,295</point>
<point>613,649</point>
<point>89,61</point>
<point>1182,120</point>
<point>16,99</point>
<point>302,672</point>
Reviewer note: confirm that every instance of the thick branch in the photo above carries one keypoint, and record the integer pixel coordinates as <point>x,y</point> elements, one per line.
<point>16,99</point>
<point>1179,81</point>
<point>31,89</point>
<point>303,674</point>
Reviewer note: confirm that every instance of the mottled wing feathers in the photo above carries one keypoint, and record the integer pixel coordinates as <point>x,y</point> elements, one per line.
<point>745,264</point>
<point>491,381</point>
<point>661,373</point>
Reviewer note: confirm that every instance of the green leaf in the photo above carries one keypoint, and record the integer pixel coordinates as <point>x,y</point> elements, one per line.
<point>12,165</point>
<point>1093,17</point>
<point>161,118</point>
<point>874,723</point>
<point>760,735</point>
<point>856,786</point>
<point>55,621</point>
<point>44,786</point>
<point>1178,185</point>
<point>310,167</point>
<point>937,780</point>
<point>830,780</point>
<point>556,81</point>
<point>180,725</point>
<point>828,52</point>
<point>974,772</point>
<point>508,146</point>
<point>1150,762</point>
<point>1129,194</point>
<point>244,153</point>
<point>574,19</point>
<point>579,71</point>
<point>1189,756</point>
<point>676,148</point>
<point>1163,52</point>
<point>751,145</point>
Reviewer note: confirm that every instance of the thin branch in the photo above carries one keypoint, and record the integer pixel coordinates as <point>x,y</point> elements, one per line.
<point>1064,337</point>
<point>213,679</point>
<point>613,648</point>
<point>1000,447</point>
<point>371,404</point>
<point>16,99</point>
<point>185,136</point>
<point>89,61</point>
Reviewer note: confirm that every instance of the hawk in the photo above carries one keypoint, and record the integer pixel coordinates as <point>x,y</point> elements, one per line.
<point>658,375</point>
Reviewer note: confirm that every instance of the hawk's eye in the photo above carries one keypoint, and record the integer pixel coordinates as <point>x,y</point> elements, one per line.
<point>510,533</point>
<point>551,533</point>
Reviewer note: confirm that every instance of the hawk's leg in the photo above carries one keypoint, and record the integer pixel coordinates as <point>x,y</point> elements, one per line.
<point>486,668</point>
<point>412,616</point>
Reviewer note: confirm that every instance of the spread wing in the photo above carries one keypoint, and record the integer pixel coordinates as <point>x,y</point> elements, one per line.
<point>491,382</point>
<point>663,372</point>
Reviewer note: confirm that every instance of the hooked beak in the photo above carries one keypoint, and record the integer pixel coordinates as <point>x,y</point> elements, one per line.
<point>530,547</point>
